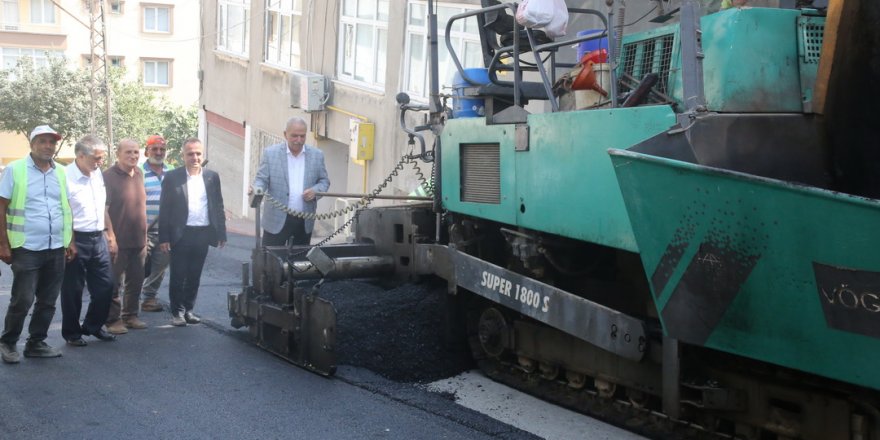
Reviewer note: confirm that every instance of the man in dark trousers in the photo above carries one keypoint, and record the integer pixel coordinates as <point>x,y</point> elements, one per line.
<point>192,219</point>
<point>96,246</point>
<point>36,229</point>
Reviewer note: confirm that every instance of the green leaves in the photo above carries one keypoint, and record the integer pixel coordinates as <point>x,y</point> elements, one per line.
<point>53,95</point>
<point>58,95</point>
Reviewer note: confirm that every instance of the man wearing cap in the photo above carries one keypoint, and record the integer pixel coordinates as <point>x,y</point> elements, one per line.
<point>127,209</point>
<point>95,245</point>
<point>35,237</point>
<point>157,262</point>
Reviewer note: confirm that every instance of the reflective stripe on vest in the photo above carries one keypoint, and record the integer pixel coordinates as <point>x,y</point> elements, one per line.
<point>15,211</point>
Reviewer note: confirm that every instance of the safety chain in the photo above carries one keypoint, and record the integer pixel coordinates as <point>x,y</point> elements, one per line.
<point>357,206</point>
<point>362,203</point>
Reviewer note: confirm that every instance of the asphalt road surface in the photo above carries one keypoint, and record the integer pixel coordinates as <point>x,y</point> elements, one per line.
<point>208,381</point>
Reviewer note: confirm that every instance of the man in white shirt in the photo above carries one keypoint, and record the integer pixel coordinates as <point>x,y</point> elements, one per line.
<point>292,172</point>
<point>95,243</point>
<point>192,219</point>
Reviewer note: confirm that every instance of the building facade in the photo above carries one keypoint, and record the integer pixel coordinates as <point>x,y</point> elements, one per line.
<point>156,41</point>
<point>366,51</point>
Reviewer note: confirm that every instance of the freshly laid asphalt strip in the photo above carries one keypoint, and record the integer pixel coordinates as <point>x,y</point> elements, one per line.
<point>397,333</point>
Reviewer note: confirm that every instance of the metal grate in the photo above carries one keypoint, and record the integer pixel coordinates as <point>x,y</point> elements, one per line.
<point>481,173</point>
<point>811,40</point>
<point>811,31</point>
<point>653,55</point>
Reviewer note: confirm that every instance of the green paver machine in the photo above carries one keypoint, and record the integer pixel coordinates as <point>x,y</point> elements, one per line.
<point>674,257</point>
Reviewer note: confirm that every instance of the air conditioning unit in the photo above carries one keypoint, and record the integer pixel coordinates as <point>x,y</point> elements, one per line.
<point>307,91</point>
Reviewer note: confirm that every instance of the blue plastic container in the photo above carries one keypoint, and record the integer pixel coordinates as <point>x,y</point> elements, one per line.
<point>585,47</point>
<point>469,107</point>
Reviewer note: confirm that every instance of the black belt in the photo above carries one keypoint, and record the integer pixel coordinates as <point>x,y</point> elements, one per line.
<point>89,234</point>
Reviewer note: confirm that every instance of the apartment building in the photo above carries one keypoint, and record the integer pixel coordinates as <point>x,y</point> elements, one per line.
<point>365,51</point>
<point>156,41</point>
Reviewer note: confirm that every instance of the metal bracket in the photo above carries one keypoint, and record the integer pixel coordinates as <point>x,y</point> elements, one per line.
<point>511,115</point>
<point>521,137</point>
<point>319,258</point>
<point>692,57</point>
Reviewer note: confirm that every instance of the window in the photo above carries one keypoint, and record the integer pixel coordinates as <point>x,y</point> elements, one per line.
<point>9,19</point>
<point>42,12</point>
<point>116,6</point>
<point>233,26</point>
<point>11,55</point>
<point>283,18</point>
<point>465,40</point>
<point>157,19</point>
<point>364,34</point>
<point>157,73</point>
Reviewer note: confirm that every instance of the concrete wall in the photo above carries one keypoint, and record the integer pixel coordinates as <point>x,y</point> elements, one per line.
<point>258,95</point>
<point>225,153</point>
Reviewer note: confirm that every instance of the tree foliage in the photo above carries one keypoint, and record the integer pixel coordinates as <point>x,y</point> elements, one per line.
<point>135,109</point>
<point>54,95</point>
<point>180,123</point>
<point>59,96</point>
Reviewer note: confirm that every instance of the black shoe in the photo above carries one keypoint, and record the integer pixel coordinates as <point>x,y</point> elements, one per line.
<point>101,334</point>
<point>40,349</point>
<point>191,319</point>
<point>78,342</point>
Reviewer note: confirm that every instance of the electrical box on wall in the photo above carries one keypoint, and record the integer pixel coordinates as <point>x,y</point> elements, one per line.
<point>362,137</point>
<point>307,91</point>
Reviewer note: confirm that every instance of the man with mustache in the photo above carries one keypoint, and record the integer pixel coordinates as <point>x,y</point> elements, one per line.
<point>154,169</point>
<point>36,229</point>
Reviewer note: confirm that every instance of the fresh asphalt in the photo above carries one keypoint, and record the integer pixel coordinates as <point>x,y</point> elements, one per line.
<point>209,381</point>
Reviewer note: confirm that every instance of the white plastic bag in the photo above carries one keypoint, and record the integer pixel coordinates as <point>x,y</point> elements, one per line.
<point>552,15</point>
<point>556,27</point>
<point>534,13</point>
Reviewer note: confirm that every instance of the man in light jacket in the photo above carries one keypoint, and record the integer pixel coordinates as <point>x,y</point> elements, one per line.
<point>292,173</point>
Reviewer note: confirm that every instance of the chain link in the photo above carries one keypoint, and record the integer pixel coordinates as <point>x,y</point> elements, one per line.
<point>357,206</point>
<point>363,202</point>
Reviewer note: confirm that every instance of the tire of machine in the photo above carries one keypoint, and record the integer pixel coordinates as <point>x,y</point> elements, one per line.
<point>492,331</point>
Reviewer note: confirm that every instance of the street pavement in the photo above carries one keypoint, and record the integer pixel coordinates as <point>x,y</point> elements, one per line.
<point>209,381</point>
